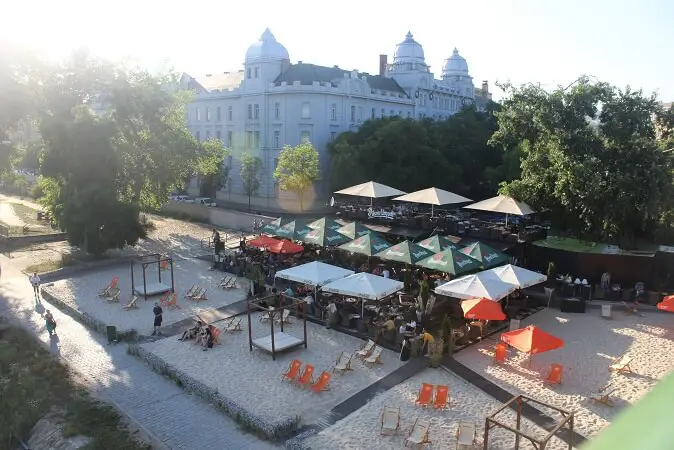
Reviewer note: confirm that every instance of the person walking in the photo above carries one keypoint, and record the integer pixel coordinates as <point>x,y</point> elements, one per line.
<point>35,282</point>
<point>158,318</point>
<point>50,323</point>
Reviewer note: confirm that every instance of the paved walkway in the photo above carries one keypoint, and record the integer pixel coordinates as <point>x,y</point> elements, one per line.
<point>163,410</point>
<point>8,216</point>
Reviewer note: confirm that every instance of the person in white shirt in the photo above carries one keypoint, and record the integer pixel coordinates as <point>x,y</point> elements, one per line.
<point>35,282</point>
<point>386,273</point>
<point>332,318</point>
<point>310,303</point>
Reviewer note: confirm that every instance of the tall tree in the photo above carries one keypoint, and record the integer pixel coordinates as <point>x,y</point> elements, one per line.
<point>250,175</point>
<point>298,169</point>
<point>210,167</point>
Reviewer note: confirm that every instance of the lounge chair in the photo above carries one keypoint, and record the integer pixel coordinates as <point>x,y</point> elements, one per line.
<point>322,383</point>
<point>233,325</point>
<point>621,365</point>
<point>603,395</point>
<point>132,303</point>
<point>425,395</point>
<point>465,434</point>
<point>343,362</point>
<point>293,370</point>
<point>441,400</point>
<point>170,302</point>
<point>106,290</point>
<point>215,331</point>
<point>555,375</point>
<point>390,420</point>
<point>267,315</point>
<point>191,291</point>
<point>227,283</point>
<point>201,295</point>
<point>285,317</point>
<point>500,353</point>
<point>113,296</point>
<point>365,351</point>
<point>307,377</point>
<point>419,433</point>
<point>629,309</point>
<point>375,356</point>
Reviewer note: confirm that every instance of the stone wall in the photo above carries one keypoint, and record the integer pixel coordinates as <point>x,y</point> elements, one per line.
<point>224,218</point>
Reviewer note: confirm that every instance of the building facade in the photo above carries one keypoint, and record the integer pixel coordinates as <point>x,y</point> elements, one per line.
<point>272,103</point>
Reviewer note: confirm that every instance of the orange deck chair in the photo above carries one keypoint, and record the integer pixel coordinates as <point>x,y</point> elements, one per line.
<point>500,352</point>
<point>164,265</point>
<point>171,301</point>
<point>322,383</point>
<point>425,396</point>
<point>307,377</point>
<point>215,332</point>
<point>441,397</point>
<point>555,375</point>
<point>113,283</point>
<point>293,370</point>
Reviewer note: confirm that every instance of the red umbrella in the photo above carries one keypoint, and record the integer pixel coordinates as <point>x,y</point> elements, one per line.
<point>482,309</point>
<point>285,247</point>
<point>263,241</point>
<point>532,340</point>
<point>667,304</point>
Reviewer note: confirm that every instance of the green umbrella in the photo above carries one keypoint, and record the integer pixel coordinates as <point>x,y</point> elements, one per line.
<point>488,256</point>
<point>294,230</point>
<point>451,261</point>
<point>405,252</point>
<point>324,237</point>
<point>355,230</point>
<point>368,245</point>
<point>271,227</point>
<point>437,243</point>
<point>324,223</point>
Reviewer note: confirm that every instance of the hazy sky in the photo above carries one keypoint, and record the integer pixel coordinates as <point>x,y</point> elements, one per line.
<point>546,41</point>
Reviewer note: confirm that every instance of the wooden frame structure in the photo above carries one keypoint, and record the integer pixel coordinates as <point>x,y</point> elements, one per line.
<point>517,404</point>
<point>254,304</point>
<point>147,260</point>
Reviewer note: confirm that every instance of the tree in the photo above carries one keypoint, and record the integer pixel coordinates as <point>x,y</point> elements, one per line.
<point>250,171</point>
<point>298,169</point>
<point>210,167</point>
<point>590,157</point>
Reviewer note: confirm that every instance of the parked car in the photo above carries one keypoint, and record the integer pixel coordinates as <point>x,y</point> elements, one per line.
<point>182,199</point>
<point>205,201</point>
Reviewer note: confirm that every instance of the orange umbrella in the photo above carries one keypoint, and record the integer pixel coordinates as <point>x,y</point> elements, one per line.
<point>532,340</point>
<point>263,241</point>
<point>285,247</point>
<point>667,304</point>
<point>482,309</point>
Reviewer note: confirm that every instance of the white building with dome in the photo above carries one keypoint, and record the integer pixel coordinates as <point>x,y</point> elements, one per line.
<point>272,103</point>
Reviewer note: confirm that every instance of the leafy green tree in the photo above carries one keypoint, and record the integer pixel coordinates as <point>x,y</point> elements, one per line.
<point>210,166</point>
<point>250,175</point>
<point>298,169</point>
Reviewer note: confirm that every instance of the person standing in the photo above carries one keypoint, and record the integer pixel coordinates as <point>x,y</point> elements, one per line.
<point>158,318</point>
<point>35,282</point>
<point>50,323</point>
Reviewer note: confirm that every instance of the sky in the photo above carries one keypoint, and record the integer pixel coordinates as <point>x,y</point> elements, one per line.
<point>545,41</point>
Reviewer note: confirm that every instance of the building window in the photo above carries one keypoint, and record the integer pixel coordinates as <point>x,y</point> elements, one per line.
<point>353,114</point>
<point>249,139</point>
<point>257,72</point>
<point>333,136</point>
<point>383,113</point>
<point>229,113</point>
<point>250,111</point>
<point>360,114</point>
<point>306,110</point>
<point>256,112</point>
<point>374,113</point>
<point>249,73</point>
<point>409,115</point>
<point>208,114</point>
<point>208,134</point>
<point>218,135</point>
<point>218,114</point>
<point>277,139</point>
<point>229,138</point>
<point>275,163</point>
<point>198,115</point>
<point>305,137</point>
<point>277,111</point>
<point>197,135</point>
<point>333,112</point>
<point>256,139</point>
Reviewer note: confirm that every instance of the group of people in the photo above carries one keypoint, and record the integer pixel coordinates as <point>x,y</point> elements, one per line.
<point>202,332</point>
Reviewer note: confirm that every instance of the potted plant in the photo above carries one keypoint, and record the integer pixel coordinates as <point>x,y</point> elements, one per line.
<point>436,352</point>
<point>552,273</point>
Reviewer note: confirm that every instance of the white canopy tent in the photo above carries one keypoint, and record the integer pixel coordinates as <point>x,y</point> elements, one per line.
<point>481,285</point>
<point>314,273</point>
<point>371,190</point>
<point>433,196</point>
<point>518,276</point>
<point>503,204</point>
<point>364,285</point>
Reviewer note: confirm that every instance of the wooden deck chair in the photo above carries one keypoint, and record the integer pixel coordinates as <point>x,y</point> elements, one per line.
<point>621,365</point>
<point>132,303</point>
<point>425,395</point>
<point>390,420</point>
<point>322,383</point>
<point>375,357</point>
<point>465,434</point>
<point>234,325</point>
<point>105,292</point>
<point>201,295</point>
<point>230,284</point>
<point>441,400</point>
<point>113,296</point>
<point>419,433</point>
<point>603,395</point>
<point>629,309</point>
<point>164,265</point>
<point>293,370</point>
<point>343,363</point>
<point>500,353</point>
<point>307,377</point>
<point>267,315</point>
<point>366,350</point>
<point>555,375</point>
<point>191,291</point>
<point>171,302</point>
<point>215,331</point>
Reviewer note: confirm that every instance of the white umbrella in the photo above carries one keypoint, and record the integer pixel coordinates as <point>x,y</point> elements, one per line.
<point>364,285</point>
<point>371,190</point>
<point>481,285</point>
<point>314,273</point>
<point>503,204</point>
<point>433,196</point>
<point>518,276</point>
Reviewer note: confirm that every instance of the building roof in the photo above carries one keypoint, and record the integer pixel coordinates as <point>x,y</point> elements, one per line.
<point>267,48</point>
<point>307,74</point>
<point>217,82</point>
<point>409,50</point>
<point>455,65</point>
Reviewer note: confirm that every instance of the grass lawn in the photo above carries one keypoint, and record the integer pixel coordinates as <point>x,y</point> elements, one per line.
<point>44,266</point>
<point>32,382</point>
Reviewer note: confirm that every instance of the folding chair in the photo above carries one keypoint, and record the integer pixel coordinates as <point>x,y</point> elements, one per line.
<point>621,365</point>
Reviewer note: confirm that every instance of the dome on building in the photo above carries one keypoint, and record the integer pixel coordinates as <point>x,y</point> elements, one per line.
<point>455,65</point>
<point>267,47</point>
<point>409,50</point>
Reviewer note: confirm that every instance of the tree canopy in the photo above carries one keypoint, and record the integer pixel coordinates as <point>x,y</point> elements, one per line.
<point>298,169</point>
<point>250,175</point>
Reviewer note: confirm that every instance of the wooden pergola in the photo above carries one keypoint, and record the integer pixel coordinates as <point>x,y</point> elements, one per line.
<point>276,341</point>
<point>517,404</point>
<point>149,289</point>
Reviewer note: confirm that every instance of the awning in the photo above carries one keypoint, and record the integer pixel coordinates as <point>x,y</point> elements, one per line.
<point>314,273</point>
<point>364,285</point>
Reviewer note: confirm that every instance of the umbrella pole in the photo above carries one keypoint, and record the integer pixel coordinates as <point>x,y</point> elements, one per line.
<point>432,205</point>
<point>506,219</point>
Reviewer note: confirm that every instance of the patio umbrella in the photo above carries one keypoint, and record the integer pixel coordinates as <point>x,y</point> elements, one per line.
<point>325,237</point>
<point>433,196</point>
<point>437,243</point>
<point>405,252</point>
<point>262,242</point>
<point>371,190</point>
<point>324,223</point>
<point>294,230</point>
<point>285,247</point>
<point>519,276</point>
<point>451,261</point>
<point>271,227</point>
<point>482,309</point>
<point>488,256</point>
<point>483,284</point>
<point>368,245</point>
<point>355,230</point>
<point>503,204</point>
<point>667,304</point>
<point>532,340</point>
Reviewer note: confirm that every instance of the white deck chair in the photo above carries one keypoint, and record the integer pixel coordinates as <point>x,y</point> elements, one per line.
<point>390,420</point>
<point>343,362</point>
<point>465,435</point>
<point>191,291</point>
<point>419,433</point>
<point>285,317</point>
<point>113,296</point>
<point>233,325</point>
<point>603,395</point>
<point>366,350</point>
<point>621,365</point>
<point>375,357</point>
<point>132,303</point>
